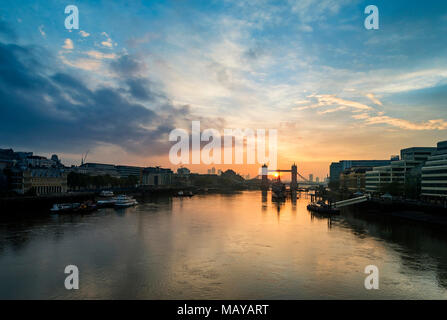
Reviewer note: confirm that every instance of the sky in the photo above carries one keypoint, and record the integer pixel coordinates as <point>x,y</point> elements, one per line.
<point>136,70</point>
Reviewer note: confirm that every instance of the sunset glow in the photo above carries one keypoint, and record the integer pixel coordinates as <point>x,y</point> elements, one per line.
<point>229,64</point>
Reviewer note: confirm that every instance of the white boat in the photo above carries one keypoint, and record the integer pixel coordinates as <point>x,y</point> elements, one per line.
<point>123,201</point>
<point>65,207</point>
<point>106,202</point>
<point>59,207</point>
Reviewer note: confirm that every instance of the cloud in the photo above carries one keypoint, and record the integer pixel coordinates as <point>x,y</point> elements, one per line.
<point>128,66</point>
<point>302,102</point>
<point>360,116</point>
<point>140,89</point>
<point>332,110</point>
<point>42,32</point>
<point>84,34</point>
<point>99,55</point>
<point>108,42</point>
<point>306,28</point>
<point>331,99</point>
<point>84,64</point>
<point>47,109</point>
<point>373,98</point>
<point>437,124</point>
<point>74,115</point>
<point>326,100</point>
<point>93,63</point>
<point>370,116</point>
<point>131,71</point>
<point>68,44</point>
<point>380,118</point>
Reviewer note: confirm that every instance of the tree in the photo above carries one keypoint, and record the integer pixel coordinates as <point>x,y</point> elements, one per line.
<point>394,188</point>
<point>83,181</point>
<point>412,186</point>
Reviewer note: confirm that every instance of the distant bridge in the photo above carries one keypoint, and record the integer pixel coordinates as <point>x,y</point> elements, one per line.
<point>294,175</point>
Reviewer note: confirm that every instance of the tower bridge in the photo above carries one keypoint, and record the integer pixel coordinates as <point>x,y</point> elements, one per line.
<point>294,177</point>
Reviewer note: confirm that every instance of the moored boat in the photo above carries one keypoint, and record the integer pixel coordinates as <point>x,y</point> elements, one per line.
<point>106,203</point>
<point>64,207</point>
<point>123,201</point>
<point>87,207</point>
<point>60,208</point>
<point>322,208</point>
<point>278,191</point>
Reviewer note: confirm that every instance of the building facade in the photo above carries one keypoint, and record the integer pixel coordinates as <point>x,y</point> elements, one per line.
<point>40,181</point>
<point>434,174</point>
<point>335,171</point>
<point>336,168</point>
<point>376,178</point>
<point>127,171</point>
<point>156,176</point>
<point>353,179</point>
<point>420,154</point>
<point>97,169</point>
<point>397,172</point>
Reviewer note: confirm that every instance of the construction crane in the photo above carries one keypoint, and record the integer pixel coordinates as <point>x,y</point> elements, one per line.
<point>84,157</point>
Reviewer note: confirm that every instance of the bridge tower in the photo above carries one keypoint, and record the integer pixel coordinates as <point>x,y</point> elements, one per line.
<point>294,182</point>
<point>265,181</point>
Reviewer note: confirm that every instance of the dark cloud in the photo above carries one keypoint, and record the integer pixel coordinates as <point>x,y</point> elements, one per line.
<point>129,69</point>
<point>141,89</point>
<point>59,112</point>
<point>127,66</point>
<point>42,108</point>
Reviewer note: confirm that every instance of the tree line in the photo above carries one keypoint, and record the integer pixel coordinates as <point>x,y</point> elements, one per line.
<point>79,181</point>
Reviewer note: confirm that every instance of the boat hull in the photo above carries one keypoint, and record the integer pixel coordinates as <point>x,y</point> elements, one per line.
<point>322,210</point>
<point>125,205</point>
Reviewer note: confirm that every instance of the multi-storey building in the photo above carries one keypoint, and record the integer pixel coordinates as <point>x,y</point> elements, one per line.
<point>420,154</point>
<point>353,179</point>
<point>40,180</point>
<point>97,169</point>
<point>336,168</point>
<point>396,172</point>
<point>127,171</point>
<point>434,174</point>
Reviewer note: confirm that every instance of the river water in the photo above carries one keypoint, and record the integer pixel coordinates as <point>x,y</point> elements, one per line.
<point>219,247</point>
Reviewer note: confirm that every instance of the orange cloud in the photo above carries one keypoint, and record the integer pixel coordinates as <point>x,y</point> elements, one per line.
<point>436,124</point>
<point>373,98</point>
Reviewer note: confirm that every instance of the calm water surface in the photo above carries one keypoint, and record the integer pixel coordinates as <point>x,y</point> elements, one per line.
<point>219,246</point>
